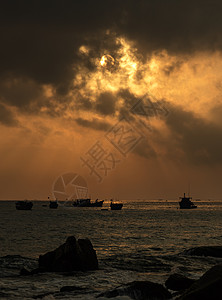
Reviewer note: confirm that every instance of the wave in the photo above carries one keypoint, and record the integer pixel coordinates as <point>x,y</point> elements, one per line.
<point>10,265</point>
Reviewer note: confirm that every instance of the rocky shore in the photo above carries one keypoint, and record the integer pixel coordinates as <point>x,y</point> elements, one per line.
<point>79,255</point>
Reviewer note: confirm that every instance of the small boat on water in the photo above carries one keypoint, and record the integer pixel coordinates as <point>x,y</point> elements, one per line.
<point>53,204</point>
<point>186,203</point>
<point>24,205</point>
<point>116,206</point>
<point>87,203</point>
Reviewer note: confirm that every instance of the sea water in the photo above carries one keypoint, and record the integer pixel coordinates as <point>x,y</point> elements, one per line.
<point>143,241</point>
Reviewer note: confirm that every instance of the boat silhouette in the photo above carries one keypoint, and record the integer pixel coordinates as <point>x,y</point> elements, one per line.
<point>186,203</point>
<point>87,203</point>
<point>53,204</point>
<point>23,205</point>
<point>115,206</point>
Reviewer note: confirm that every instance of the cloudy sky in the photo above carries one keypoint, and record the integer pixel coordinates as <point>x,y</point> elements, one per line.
<point>127,94</point>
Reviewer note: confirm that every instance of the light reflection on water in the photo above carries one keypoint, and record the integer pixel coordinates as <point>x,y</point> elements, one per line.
<point>140,225</point>
<point>143,241</point>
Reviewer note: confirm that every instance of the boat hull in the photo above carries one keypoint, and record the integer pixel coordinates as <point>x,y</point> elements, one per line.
<point>53,204</point>
<point>116,206</point>
<point>188,207</point>
<point>87,203</point>
<point>186,203</point>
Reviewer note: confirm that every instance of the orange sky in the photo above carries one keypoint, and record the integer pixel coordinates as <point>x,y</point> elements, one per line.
<point>47,126</point>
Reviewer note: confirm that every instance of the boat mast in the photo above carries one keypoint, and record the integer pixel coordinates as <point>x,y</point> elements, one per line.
<point>189,189</point>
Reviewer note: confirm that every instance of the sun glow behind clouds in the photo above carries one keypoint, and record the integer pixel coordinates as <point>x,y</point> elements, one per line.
<point>123,71</point>
<point>128,61</point>
<point>193,82</point>
<point>189,81</point>
<point>107,60</point>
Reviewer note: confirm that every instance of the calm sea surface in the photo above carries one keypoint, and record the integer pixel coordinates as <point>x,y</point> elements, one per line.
<point>143,241</point>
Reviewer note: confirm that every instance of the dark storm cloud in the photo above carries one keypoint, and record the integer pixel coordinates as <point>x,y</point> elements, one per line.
<point>129,98</point>
<point>6,117</point>
<point>178,26</point>
<point>84,103</point>
<point>192,140</point>
<point>39,39</point>
<point>19,92</point>
<point>199,139</point>
<point>106,104</point>
<point>95,124</point>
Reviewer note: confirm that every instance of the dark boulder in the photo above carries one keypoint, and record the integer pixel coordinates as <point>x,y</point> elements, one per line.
<point>214,251</point>
<point>73,255</point>
<point>139,290</point>
<point>208,287</point>
<point>178,282</point>
<point>87,255</point>
<point>70,288</point>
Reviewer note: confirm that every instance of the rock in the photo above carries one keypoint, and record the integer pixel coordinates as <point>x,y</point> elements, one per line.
<point>178,282</point>
<point>37,271</point>
<point>88,255</point>
<point>209,286</point>
<point>73,255</point>
<point>214,251</point>
<point>139,290</point>
<point>24,272</point>
<point>70,288</point>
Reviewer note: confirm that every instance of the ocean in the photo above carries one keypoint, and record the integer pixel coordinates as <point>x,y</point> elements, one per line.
<point>143,241</point>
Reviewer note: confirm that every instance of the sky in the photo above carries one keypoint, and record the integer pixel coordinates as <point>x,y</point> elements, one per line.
<point>124,97</point>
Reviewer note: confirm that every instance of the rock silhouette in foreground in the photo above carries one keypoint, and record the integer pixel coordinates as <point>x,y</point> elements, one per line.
<point>73,255</point>
<point>178,282</point>
<point>214,251</point>
<point>208,287</point>
<point>139,290</point>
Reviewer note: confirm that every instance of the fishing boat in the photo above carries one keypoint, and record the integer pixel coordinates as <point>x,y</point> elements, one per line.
<point>87,203</point>
<point>24,205</point>
<point>186,203</point>
<point>116,206</point>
